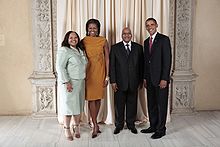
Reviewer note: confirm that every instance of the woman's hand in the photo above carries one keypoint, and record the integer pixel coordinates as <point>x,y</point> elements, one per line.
<point>105,83</point>
<point>69,87</point>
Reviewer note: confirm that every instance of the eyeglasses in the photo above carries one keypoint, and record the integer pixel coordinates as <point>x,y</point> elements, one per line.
<point>126,34</point>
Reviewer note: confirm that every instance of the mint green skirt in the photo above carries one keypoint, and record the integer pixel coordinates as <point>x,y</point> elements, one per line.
<point>72,103</point>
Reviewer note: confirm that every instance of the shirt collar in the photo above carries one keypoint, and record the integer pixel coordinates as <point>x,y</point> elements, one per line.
<point>154,35</point>
<point>129,43</point>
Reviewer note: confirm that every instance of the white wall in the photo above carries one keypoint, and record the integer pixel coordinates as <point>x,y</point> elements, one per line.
<point>15,57</point>
<point>206,58</point>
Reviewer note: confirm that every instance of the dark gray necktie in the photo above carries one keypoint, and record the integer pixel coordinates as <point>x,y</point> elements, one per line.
<point>127,49</point>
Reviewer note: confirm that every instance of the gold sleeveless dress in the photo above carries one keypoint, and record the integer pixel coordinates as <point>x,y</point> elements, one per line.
<point>95,74</point>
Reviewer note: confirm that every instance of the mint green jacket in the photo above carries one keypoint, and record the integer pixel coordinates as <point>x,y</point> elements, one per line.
<point>70,64</point>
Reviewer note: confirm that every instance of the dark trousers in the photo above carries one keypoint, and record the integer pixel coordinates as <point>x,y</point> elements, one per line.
<point>157,100</point>
<point>125,99</point>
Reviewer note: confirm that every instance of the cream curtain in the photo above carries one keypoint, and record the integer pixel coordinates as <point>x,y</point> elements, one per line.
<point>113,15</point>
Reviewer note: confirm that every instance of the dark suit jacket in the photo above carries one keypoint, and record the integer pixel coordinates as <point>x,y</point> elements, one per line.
<point>126,71</point>
<point>157,64</point>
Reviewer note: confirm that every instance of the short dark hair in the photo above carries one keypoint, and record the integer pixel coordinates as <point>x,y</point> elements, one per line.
<point>151,18</point>
<point>93,21</point>
<point>66,38</point>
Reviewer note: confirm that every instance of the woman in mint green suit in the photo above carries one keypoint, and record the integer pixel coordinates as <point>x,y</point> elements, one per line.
<point>71,68</point>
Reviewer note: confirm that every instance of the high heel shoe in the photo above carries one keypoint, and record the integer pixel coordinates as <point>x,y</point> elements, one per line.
<point>68,133</point>
<point>90,124</point>
<point>98,130</point>
<point>95,132</point>
<point>76,131</point>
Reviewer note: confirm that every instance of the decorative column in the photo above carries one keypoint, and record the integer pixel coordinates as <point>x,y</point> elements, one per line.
<point>183,77</point>
<point>44,44</point>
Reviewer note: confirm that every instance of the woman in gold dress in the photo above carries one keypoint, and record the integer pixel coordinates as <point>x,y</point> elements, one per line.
<point>97,51</point>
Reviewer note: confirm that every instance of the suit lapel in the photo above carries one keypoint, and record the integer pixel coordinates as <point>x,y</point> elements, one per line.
<point>147,47</point>
<point>122,49</point>
<point>132,47</point>
<point>154,43</point>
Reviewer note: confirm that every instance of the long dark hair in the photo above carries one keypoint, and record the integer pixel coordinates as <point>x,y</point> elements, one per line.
<point>66,38</point>
<point>93,21</point>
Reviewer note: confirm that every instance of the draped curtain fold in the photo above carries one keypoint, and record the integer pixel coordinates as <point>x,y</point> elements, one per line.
<point>113,15</point>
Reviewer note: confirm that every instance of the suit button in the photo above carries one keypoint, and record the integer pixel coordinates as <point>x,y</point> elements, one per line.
<point>149,62</point>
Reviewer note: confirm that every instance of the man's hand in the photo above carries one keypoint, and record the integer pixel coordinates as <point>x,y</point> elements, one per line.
<point>163,84</point>
<point>114,87</point>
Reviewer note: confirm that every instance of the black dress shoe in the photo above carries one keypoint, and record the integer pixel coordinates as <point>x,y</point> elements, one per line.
<point>117,130</point>
<point>158,135</point>
<point>148,130</point>
<point>134,130</point>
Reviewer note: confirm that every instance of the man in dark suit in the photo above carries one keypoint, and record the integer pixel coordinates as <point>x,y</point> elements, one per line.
<point>126,75</point>
<point>157,64</point>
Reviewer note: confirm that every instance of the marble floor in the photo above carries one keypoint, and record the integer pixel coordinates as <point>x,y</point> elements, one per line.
<point>200,129</point>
